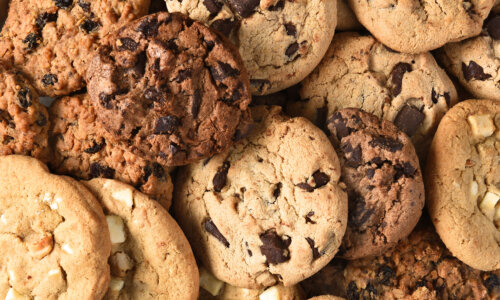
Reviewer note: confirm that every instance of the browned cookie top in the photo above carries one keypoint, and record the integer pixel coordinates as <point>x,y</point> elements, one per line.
<point>171,88</point>
<point>383,178</point>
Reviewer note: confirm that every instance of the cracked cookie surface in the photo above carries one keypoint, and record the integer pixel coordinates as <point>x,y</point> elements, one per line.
<point>416,26</point>
<point>150,256</point>
<point>24,122</point>
<point>170,89</point>
<point>384,184</point>
<point>280,41</point>
<point>271,209</point>
<point>476,61</point>
<point>463,182</point>
<point>54,241</point>
<point>51,41</point>
<point>411,91</point>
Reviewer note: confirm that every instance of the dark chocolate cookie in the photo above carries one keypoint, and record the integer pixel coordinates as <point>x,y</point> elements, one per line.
<point>170,89</point>
<point>383,178</point>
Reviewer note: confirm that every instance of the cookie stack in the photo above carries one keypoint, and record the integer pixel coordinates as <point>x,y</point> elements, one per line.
<point>247,149</point>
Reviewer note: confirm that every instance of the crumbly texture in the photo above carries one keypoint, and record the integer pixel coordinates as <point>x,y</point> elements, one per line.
<point>476,61</point>
<point>280,41</point>
<point>155,260</point>
<point>51,41</point>
<point>384,184</point>
<point>416,26</point>
<point>346,20</point>
<point>462,169</point>
<point>230,292</point>
<point>54,241</point>
<point>170,88</point>
<point>269,210</point>
<point>410,90</point>
<point>24,122</point>
<point>80,148</point>
<point>420,267</point>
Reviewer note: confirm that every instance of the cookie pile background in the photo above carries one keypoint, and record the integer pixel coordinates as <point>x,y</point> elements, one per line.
<point>249,149</point>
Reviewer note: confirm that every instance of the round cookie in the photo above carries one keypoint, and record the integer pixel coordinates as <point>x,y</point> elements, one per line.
<point>280,41</point>
<point>170,89</point>
<point>476,61</point>
<point>81,148</point>
<point>384,184</point>
<point>463,182</point>
<point>271,209</point>
<point>346,20</point>
<point>415,26</point>
<point>54,239</point>
<point>411,91</point>
<point>150,256</point>
<point>326,297</point>
<point>51,41</point>
<point>24,122</point>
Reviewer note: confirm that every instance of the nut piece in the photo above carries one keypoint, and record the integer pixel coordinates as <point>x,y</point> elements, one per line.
<point>210,283</point>
<point>120,264</point>
<point>12,294</point>
<point>116,284</point>
<point>481,125</point>
<point>116,229</point>
<point>487,205</point>
<point>41,246</point>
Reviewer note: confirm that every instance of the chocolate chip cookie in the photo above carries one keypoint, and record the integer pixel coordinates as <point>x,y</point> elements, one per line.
<point>150,256</point>
<point>411,91</point>
<point>24,122</point>
<point>476,61</point>
<point>384,184</point>
<point>417,26</point>
<point>51,40</point>
<point>280,41</point>
<point>271,209</point>
<point>80,148</point>
<point>463,182</point>
<point>170,89</point>
<point>54,241</point>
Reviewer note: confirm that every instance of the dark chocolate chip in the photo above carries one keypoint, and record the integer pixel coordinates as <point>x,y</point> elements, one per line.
<point>24,97</point>
<point>386,143</point>
<point>147,173</point>
<point>278,6</point>
<point>222,71</point>
<point>153,94</point>
<point>260,84</point>
<point>245,8</point>
<point>277,190</point>
<point>308,217</point>
<point>409,119</point>
<point>127,44</point>
<point>290,29</point>
<point>84,5</point>
<point>105,100</point>
<point>353,156</point>
<point>493,27</point>
<point>89,25</point>
<point>149,27</point>
<point>340,124</point>
<point>183,75</point>
<point>63,3</point>
<point>97,170</point>
<point>315,252</point>
<point>166,125</point>
<point>275,247</point>
<point>306,186</point>
<point>397,75</point>
<point>320,179</point>
<point>224,26</point>
<point>195,105</point>
<point>213,230</point>
<point>49,79</point>
<point>435,97</point>
<point>158,170</point>
<point>405,169</point>
<point>96,147</point>
<point>474,71</point>
<point>370,173</point>
<point>358,212</point>
<point>385,273</point>
<point>42,120</point>
<point>220,178</point>
<point>32,41</point>
<point>292,49</point>
<point>492,283</point>
<point>45,18</point>
<point>213,7</point>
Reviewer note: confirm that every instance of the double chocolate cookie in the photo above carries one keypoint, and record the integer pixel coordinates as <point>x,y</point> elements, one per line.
<point>170,89</point>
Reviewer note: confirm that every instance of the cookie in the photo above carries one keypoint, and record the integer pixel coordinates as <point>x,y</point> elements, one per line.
<point>24,122</point>
<point>170,89</point>
<point>346,20</point>
<point>475,62</point>
<point>384,184</point>
<point>463,182</point>
<point>417,26</point>
<point>269,210</point>
<point>326,297</point>
<point>150,256</point>
<point>280,41</point>
<point>54,241</point>
<point>410,90</point>
<point>50,41</point>
<point>80,148</point>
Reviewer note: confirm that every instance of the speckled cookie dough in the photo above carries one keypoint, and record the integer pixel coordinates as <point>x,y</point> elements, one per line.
<point>463,182</point>
<point>54,241</point>
<point>269,210</point>
<point>280,41</point>
<point>411,91</point>
<point>51,40</point>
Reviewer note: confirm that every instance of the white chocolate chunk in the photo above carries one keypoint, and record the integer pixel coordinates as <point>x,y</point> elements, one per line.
<point>120,264</point>
<point>116,284</point>
<point>272,293</point>
<point>126,195</point>
<point>487,205</point>
<point>116,229</point>
<point>12,294</point>
<point>3,219</point>
<point>54,272</point>
<point>481,125</point>
<point>474,188</point>
<point>210,283</point>
<point>67,248</point>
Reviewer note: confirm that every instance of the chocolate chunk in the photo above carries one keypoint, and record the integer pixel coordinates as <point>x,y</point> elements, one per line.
<point>278,6</point>
<point>260,84</point>
<point>385,273</point>
<point>493,27</point>
<point>84,5</point>
<point>32,41</point>
<point>386,143</point>
<point>292,49</point>
<point>223,71</point>
<point>213,6</point>
<point>352,155</point>
<point>409,119</point>
<point>277,190</point>
<point>147,173</point>
<point>358,212</point>
<point>245,8</point>
<point>153,94</point>
<point>213,230</point>
<point>45,18</point>
<point>63,3</point>
<point>42,120</point>
<point>183,75</point>
<point>106,100</point>
<point>397,75</point>
<point>224,26</point>
<point>126,44</point>
<point>340,124</point>
<point>158,170</point>
<point>97,170</point>
<point>95,147</point>
<point>308,217</point>
<point>89,25</point>
<point>435,97</point>
<point>290,29</point>
<point>274,247</point>
<point>315,252</point>
<point>49,79</point>
<point>370,173</point>
<point>24,97</point>
<point>492,283</point>
<point>474,71</point>
<point>219,180</point>
<point>320,179</point>
<point>149,27</point>
<point>306,186</point>
<point>195,105</point>
<point>166,125</point>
